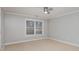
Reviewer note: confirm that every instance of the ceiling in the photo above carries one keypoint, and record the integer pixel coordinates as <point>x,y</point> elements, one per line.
<point>37,12</point>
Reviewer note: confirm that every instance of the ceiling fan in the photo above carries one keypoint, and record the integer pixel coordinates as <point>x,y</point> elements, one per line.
<point>47,10</point>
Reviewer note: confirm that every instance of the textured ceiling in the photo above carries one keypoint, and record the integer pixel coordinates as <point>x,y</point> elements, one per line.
<point>37,12</point>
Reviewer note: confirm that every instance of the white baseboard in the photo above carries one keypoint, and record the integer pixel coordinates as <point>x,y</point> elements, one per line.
<point>65,42</point>
<point>62,41</point>
<point>22,41</point>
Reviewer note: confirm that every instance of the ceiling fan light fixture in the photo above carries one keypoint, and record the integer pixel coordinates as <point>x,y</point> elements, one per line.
<point>47,10</point>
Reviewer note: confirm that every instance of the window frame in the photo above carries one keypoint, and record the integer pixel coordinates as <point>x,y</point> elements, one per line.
<point>34,20</point>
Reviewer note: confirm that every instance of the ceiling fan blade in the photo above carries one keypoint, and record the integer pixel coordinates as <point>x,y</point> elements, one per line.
<point>50,9</point>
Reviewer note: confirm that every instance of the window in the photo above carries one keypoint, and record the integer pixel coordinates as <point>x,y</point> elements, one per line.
<point>29,27</point>
<point>38,27</point>
<point>34,27</point>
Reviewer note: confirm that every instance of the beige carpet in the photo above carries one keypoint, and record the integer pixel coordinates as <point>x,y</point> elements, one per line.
<point>41,45</point>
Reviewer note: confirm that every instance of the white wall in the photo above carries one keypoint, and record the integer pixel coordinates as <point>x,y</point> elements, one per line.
<point>15,29</point>
<point>3,28</point>
<point>2,36</point>
<point>65,28</point>
<point>0,27</point>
